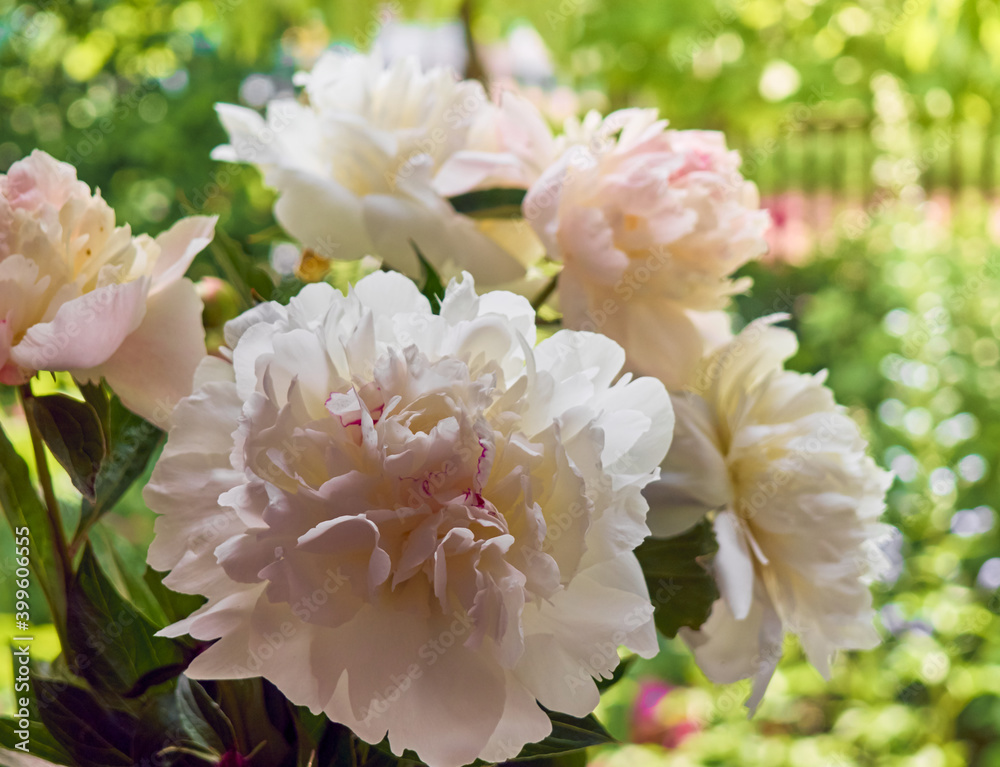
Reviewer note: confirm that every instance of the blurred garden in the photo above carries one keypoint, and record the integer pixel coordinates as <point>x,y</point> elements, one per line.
<point>871,130</point>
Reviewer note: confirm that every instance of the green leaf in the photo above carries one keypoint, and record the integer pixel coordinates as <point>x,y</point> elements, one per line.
<point>433,289</point>
<point>340,746</point>
<point>96,395</point>
<point>41,742</point>
<point>617,675</point>
<point>132,442</point>
<point>203,717</point>
<point>161,727</point>
<point>26,515</point>
<point>261,719</point>
<point>72,430</point>
<point>260,282</point>
<point>490,203</point>
<point>174,605</point>
<point>568,734</point>
<point>569,759</point>
<point>680,585</point>
<point>289,287</point>
<point>93,734</point>
<point>112,644</point>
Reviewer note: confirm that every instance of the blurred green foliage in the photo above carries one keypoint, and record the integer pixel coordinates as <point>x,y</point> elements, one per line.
<point>904,309</point>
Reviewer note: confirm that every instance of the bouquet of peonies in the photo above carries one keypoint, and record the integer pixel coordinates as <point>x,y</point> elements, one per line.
<point>415,520</point>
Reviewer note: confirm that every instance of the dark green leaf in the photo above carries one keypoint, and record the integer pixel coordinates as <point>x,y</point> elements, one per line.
<point>340,746</point>
<point>96,395</point>
<point>203,718</point>
<point>616,677</point>
<point>125,571</point>
<point>133,442</point>
<point>41,742</point>
<point>112,644</point>
<point>287,289</point>
<point>26,515</point>
<point>72,430</point>
<point>490,203</point>
<point>93,734</point>
<point>175,606</point>
<point>248,704</point>
<point>433,289</point>
<point>570,759</point>
<point>260,282</point>
<point>162,731</point>
<point>568,734</point>
<point>680,585</point>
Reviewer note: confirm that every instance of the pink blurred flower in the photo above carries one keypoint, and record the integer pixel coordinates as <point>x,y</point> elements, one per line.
<point>651,724</point>
<point>649,225</point>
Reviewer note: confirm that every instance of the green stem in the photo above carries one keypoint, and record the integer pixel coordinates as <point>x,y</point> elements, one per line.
<point>474,69</point>
<point>63,565</point>
<point>542,297</point>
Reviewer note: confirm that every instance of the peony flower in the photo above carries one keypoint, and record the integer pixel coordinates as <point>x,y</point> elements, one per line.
<point>795,501</point>
<point>365,167</point>
<point>419,524</point>
<point>649,224</point>
<point>79,294</point>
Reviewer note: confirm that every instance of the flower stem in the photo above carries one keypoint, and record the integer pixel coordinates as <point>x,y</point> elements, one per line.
<point>547,291</point>
<point>45,480</point>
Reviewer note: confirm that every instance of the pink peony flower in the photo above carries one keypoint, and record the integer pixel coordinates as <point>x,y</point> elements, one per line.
<point>79,294</point>
<point>649,225</point>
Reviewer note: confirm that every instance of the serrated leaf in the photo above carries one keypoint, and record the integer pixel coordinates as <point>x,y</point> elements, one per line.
<point>132,442</point>
<point>490,203</point>
<point>568,734</point>
<point>112,644</point>
<point>680,585</point>
<point>25,512</point>
<point>94,735</point>
<point>72,430</point>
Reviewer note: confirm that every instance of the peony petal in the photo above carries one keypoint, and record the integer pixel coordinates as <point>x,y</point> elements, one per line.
<point>178,247</point>
<point>154,366</point>
<point>396,223</point>
<point>322,215</point>
<point>734,564</point>
<point>85,331</point>
<point>694,478</point>
<point>728,650</point>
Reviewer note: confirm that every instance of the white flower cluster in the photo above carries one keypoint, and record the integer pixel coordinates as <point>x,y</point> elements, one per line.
<point>423,524</point>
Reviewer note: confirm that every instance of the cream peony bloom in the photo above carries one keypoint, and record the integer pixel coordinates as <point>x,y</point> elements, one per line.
<point>649,224</point>
<point>795,501</point>
<point>78,293</point>
<point>365,166</point>
<point>419,524</point>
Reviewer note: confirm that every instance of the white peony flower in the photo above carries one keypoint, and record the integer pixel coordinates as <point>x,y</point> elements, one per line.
<point>78,293</point>
<point>649,225</point>
<point>419,524</point>
<point>795,500</point>
<point>365,166</point>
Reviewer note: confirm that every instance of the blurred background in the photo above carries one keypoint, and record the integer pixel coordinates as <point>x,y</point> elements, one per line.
<point>871,130</point>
